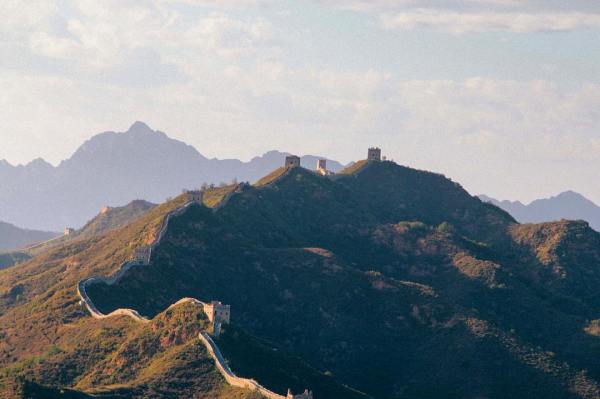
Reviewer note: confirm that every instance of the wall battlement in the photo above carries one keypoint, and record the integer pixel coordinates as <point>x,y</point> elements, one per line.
<point>215,311</point>
<point>374,154</point>
<point>292,161</point>
<point>194,196</point>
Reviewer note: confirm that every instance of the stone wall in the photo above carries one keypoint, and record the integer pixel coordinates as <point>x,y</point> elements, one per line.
<point>211,347</point>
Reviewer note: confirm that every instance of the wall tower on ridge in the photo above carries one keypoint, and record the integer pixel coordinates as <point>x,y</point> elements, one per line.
<point>292,161</point>
<point>322,167</point>
<point>305,395</point>
<point>374,154</point>
<point>217,314</point>
<point>142,255</point>
<point>194,196</point>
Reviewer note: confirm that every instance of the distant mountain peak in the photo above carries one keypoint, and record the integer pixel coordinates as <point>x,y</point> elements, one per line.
<point>571,194</point>
<point>566,205</point>
<point>39,162</point>
<point>139,127</point>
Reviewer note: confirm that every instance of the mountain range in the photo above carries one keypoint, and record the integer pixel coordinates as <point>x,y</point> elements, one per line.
<point>116,168</point>
<point>113,169</point>
<point>567,205</point>
<point>12,237</point>
<point>381,281</point>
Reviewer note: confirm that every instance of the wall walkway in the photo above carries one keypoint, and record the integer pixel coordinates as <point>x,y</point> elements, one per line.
<point>210,345</point>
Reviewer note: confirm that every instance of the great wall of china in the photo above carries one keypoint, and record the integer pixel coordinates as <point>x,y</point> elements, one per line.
<point>211,347</point>
<point>195,197</point>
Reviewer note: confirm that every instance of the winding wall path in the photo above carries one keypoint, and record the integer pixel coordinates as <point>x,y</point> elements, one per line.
<point>210,345</point>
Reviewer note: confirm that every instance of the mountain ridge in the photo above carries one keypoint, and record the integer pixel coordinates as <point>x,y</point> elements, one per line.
<point>566,205</point>
<point>396,281</point>
<point>13,237</point>
<point>114,168</point>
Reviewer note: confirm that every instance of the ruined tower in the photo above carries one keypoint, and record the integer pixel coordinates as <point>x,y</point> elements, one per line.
<point>322,167</point>
<point>217,314</point>
<point>305,395</point>
<point>292,161</point>
<point>142,255</point>
<point>374,154</point>
<point>194,196</point>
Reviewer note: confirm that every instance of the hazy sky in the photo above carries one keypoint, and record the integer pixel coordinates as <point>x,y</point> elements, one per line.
<point>500,95</point>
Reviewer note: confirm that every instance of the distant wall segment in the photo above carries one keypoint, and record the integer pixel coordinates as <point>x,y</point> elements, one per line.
<point>215,311</point>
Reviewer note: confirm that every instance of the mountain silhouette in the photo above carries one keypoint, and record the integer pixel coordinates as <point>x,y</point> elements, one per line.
<point>13,237</point>
<point>567,205</point>
<point>113,169</point>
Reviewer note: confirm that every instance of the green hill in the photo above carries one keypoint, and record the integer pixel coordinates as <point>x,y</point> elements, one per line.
<point>107,220</point>
<point>391,281</point>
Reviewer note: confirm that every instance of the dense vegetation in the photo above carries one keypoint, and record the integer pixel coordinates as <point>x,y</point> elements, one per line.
<point>393,281</point>
<point>253,358</point>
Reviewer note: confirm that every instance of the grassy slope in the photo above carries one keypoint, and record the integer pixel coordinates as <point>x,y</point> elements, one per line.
<point>101,224</point>
<point>114,218</point>
<point>49,339</point>
<point>271,177</point>
<point>40,317</point>
<point>420,290</point>
<point>12,258</point>
<point>213,196</point>
<point>120,358</point>
<point>389,306</point>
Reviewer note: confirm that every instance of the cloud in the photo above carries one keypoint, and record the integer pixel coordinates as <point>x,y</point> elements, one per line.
<point>460,16</point>
<point>93,35</point>
<point>231,82</point>
<point>455,22</point>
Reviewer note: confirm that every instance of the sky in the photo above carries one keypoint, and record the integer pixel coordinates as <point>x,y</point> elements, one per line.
<point>502,96</point>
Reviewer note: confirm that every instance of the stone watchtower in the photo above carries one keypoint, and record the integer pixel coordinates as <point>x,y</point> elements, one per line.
<point>194,196</point>
<point>322,167</point>
<point>292,161</point>
<point>305,395</point>
<point>142,255</point>
<point>69,231</point>
<point>217,314</point>
<point>374,154</point>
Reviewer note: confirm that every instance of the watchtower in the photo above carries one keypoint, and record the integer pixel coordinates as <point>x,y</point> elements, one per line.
<point>305,395</point>
<point>217,314</point>
<point>194,196</point>
<point>142,255</point>
<point>322,167</point>
<point>69,231</point>
<point>292,161</point>
<point>374,154</point>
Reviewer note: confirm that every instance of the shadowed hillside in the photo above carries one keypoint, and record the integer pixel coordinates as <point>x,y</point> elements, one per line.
<point>393,281</point>
<point>115,168</point>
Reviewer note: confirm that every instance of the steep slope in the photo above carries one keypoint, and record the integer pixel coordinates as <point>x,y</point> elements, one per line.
<point>113,218</point>
<point>49,342</point>
<point>115,168</point>
<point>567,205</point>
<point>11,258</point>
<point>394,281</point>
<point>108,219</point>
<point>13,237</point>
